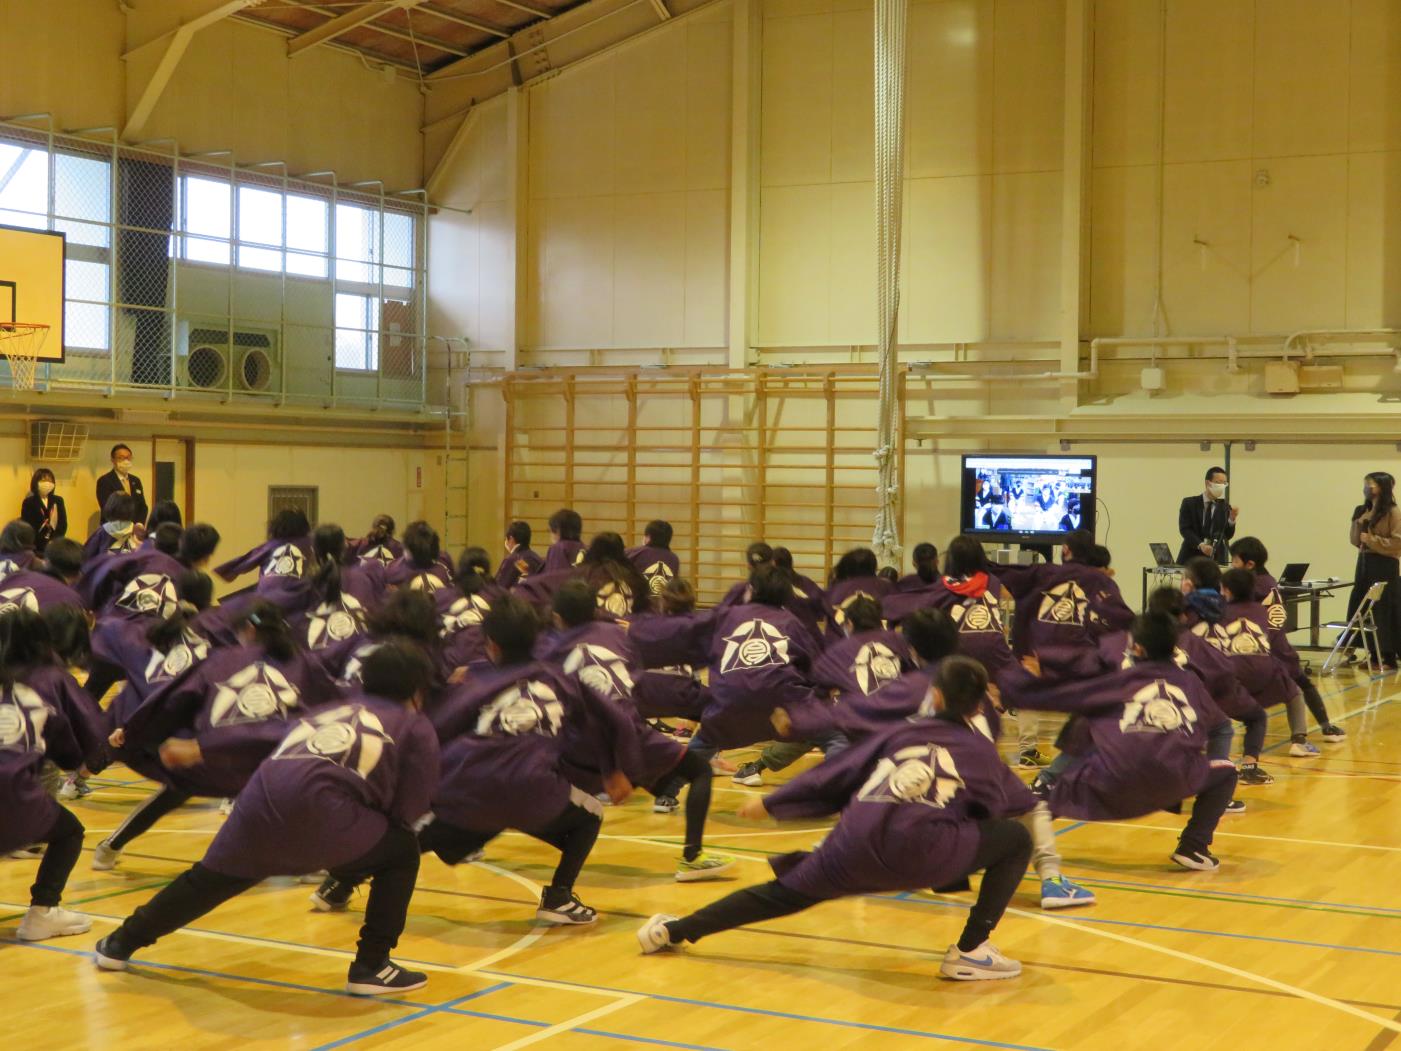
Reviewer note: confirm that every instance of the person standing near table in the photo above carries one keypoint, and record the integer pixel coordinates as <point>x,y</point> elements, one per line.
<point>43,509</point>
<point>120,479</point>
<point>1376,533</point>
<point>1207,522</point>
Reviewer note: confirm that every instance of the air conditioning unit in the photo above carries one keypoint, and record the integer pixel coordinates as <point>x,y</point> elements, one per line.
<point>209,354</point>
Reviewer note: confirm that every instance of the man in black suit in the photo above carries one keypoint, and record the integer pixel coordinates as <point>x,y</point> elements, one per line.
<point>1207,522</point>
<point>120,480</point>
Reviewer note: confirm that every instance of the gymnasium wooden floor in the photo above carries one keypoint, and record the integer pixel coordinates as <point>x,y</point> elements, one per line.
<point>1295,943</point>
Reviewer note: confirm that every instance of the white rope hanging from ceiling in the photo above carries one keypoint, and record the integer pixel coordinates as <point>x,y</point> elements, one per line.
<point>890,161</point>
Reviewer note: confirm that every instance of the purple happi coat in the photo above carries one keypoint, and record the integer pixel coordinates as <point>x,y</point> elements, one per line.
<point>337,778</point>
<point>671,648</point>
<point>35,591</point>
<point>229,688</point>
<point>15,561</point>
<point>121,628</point>
<point>1266,664</point>
<point>600,658</point>
<point>321,624</point>
<point>1216,670</point>
<point>844,592</point>
<point>361,550</point>
<point>862,663</point>
<point>1062,610</point>
<point>102,542</point>
<point>460,626</point>
<point>103,579</point>
<point>282,558</point>
<point>403,572</point>
<point>563,554</point>
<point>975,606</point>
<point>658,566</point>
<point>44,714</point>
<point>1268,595</point>
<point>504,738</point>
<point>1147,727</point>
<point>516,566</point>
<point>910,798</point>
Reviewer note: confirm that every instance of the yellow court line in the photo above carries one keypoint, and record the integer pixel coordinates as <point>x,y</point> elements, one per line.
<point>571,1023</point>
<point>1260,979</point>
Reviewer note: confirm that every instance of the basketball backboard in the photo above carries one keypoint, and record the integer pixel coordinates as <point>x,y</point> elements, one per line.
<point>31,283</point>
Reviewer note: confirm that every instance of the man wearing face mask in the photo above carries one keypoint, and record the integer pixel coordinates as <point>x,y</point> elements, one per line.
<point>120,480</point>
<point>1207,522</point>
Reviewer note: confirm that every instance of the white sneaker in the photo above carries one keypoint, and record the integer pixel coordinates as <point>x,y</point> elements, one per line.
<point>226,806</point>
<point>1303,750</point>
<point>69,790</point>
<point>105,857</point>
<point>52,922</point>
<point>983,964</point>
<point>27,853</point>
<point>653,935</point>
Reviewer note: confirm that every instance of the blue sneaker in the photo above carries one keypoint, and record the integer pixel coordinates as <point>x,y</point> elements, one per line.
<point>1301,747</point>
<point>1059,893</point>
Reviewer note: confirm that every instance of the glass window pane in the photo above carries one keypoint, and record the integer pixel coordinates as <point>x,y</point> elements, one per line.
<point>83,280</point>
<point>356,233</point>
<point>260,258</point>
<point>259,217</point>
<point>364,273</point>
<point>305,265</point>
<point>84,233</point>
<point>398,281</point>
<point>306,224</point>
<point>203,250</point>
<point>24,178</point>
<point>398,240</point>
<point>28,220</point>
<point>86,325</point>
<point>208,208</point>
<point>82,187</point>
<point>352,348</point>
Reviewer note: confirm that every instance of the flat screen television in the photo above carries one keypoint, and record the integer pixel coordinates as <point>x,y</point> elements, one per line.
<point>1027,499</point>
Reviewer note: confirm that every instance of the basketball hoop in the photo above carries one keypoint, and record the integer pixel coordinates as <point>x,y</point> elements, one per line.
<point>21,344</point>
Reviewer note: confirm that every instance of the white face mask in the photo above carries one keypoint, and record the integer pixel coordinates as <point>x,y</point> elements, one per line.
<point>1217,490</point>
<point>45,488</point>
<point>122,466</point>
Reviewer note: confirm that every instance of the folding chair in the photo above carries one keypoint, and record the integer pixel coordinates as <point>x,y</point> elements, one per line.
<point>1363,623</point>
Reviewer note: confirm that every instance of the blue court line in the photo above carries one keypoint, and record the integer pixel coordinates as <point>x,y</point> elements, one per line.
<point>414,1016</point>
<point>1236,894</point>
<point>790,1016</point>
<point>911,898</point>
<point>1071,828</point>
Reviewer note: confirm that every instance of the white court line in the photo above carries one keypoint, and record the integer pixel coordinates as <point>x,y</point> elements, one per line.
<point>1248,835</point>
<point>572,1023</point>
<point>1260,979</point>
<point>525,940</point>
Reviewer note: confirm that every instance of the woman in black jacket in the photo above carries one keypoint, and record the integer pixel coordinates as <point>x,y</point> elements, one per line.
<point>43,509</point>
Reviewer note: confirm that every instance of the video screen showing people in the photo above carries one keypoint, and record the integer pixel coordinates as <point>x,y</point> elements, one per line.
<point>1028,495</point>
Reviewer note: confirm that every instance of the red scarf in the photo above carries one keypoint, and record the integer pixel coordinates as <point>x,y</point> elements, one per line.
<point>974,587</point>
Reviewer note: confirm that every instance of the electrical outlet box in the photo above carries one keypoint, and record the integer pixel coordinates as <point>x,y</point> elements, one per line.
<point>1281,377</point>
<point>1152,379</point>
<point>1321,377</point>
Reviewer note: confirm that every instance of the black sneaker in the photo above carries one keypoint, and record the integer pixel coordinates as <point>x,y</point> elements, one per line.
<point>111,955</point>
<point>1199,860</point>
<point>1041,785</point>
<point>1332,733</point>
<point>333,895</point>
<point>389,977</point>
<point>568,912</point>
<point>665,805</point>
<point>750,774</point>
<point>1235,806</point>
<point>1251,774</point>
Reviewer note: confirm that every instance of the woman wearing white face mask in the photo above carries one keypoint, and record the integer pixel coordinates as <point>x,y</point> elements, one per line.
<point>1206,522</point>
<point>43,509</point>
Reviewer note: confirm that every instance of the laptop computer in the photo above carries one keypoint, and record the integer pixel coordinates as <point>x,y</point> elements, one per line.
<point>1163,554</point>
<point>1294,573</point>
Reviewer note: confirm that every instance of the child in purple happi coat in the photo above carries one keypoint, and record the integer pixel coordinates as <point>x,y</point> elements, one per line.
<point>853,577</point>
<point>655,559</point>
<point>460,611</point>
<point>378,545</point>
<point>48,583</point>
<point>283,553</point>
<point>566,541</point>
<point>922,804</point>
<point>422,566</point>
<point>341,788</point>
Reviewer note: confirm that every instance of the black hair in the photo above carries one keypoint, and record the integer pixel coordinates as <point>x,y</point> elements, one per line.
<point>770,586</point>
<point>473,571</point>
<point>1238,585</point>
<point>117,448</point>
<point>407,614</point>
<point>863,614</point>
<point>396,670</point>
<point>677,597</point>
<point>1203,572</point>
<point>68,633</point>
<point>606,547</point>
<point>422,543</point>
<point>63,558</point>
<point>166,539</point>
<point>196,592</point>
<point>858,562</point>
<point>25,642</point>
<point>270,629</point>
<point>758,554</point>
<point>889,573</point>
<point>931,633</point>
<point>783,559</point>
<point>196,588</point>
<point>606,562</point>
<point>1386,495</point>
<point>519,532</point>
<point>198,543</point>
<point>512,625</point>
<point>38,476</point>
<point>658,533</point>
<point>164,511</point>
<point>381,531</point>
<point>17,537</point>
<point>1099,557</point>
<point>1214,470</point>
<point>963,682</point>
<point>574,603</point>
<point>926,561</point>
<point>1079,542</point>
<point>120,507</point>
<point>1167,600</point>
<point>567,524</point>
<point>1157,634</point>
<point>964,557</point>
<point>324,569</point>
<point>289,524</point>
<point>1251,549</point>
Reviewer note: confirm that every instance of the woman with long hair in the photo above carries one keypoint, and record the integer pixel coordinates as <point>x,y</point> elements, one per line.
<point>1376,533</point>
